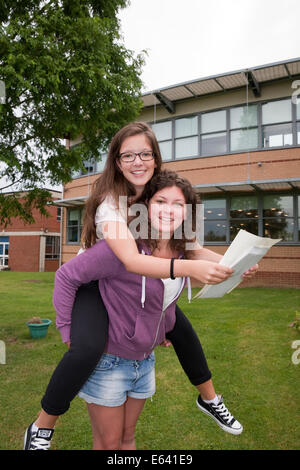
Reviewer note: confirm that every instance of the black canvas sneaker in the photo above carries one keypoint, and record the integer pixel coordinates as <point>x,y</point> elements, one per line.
<point>221,415</point>
<point>38,440</point>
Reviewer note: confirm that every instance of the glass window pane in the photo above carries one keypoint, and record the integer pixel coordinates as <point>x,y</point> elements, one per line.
<point>73,216</point>
<point>101,163</point>
<point>214,209</point>
<point>243,116</point>
<point>244,206</point>
<point>166,150</point>
<point>299,208</point>
<point>243,139</point>
<point>215,231</point>
<point>213,122</point>
<point>213,143</point>
<point>163,130</point>
<point>187,147</point>
<point>73,234</point>
<point>1,249</point>
<point>279,228</point>
<point>278,206</point>
<point>298,133</point>
<point>249,225</point>
<point>186,126</point>
<point>6,248</point>
<point>277,136</point>
<point>277,111</point>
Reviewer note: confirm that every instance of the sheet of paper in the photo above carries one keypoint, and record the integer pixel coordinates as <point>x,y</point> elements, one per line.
<point>244,252</point>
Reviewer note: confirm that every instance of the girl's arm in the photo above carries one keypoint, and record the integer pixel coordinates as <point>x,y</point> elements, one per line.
<point>95,263</point>
<point>122,243</point>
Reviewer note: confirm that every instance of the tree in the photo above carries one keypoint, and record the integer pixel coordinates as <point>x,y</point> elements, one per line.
<point>66,74</point>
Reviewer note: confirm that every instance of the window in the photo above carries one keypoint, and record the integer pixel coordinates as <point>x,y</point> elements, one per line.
<point>74,225</point>
<point>243,215</point>
<point>52,248</point>
<point>213,122</point>
<point>186,137</point>
<point>213,135</point>
<point>278,221</point>
<point>276,111</point>
<point>215,222</point>
<point>59,214</point>
<point>277,123</point>
<point>266,215</point>
<point>91,166</point>
<point>244,130</point>
<point>163,133</point>
<point>4,249</point>
<point>213,143</point>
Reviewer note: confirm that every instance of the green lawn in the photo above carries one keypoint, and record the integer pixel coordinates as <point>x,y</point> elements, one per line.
<point>248,344</point>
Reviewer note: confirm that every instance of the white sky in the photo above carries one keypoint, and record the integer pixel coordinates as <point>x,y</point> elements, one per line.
<point>190,39</point>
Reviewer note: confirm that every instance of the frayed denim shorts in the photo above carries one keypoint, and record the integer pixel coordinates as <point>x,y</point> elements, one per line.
<point>114,379</point>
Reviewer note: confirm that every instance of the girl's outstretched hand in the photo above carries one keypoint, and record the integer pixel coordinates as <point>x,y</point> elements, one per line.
<point>209,272</point>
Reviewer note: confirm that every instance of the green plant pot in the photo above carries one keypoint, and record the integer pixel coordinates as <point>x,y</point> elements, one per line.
<point>39,330</point>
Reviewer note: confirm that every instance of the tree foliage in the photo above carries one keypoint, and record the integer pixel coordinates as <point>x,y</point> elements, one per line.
<point>66,74</point>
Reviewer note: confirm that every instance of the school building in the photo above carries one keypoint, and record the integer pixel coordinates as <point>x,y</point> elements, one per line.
<point>32,247</point>
<point>236,137</point>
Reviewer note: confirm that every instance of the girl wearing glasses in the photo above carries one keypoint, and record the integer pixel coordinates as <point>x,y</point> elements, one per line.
<point>133,160</point>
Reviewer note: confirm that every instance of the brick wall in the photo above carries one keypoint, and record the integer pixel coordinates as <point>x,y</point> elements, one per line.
<point>24,253</point>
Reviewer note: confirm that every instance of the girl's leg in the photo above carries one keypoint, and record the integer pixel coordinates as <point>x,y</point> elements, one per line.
<point>193,361</point>
<point>89,329</point>
<point>107,426</point>
<point>133,409</point>
<point>114,427</point>
<point>190,353</point>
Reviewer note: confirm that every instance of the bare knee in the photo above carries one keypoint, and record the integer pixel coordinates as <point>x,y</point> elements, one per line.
<point>107,442</point>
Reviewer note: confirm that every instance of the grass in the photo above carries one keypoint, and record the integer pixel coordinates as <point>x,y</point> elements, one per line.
<point>247,341</point>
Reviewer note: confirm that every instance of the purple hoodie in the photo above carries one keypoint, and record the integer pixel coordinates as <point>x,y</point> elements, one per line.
<point>137,322</point>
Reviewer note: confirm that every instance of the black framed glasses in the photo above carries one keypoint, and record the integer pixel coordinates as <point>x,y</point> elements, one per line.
<point>129,157</point>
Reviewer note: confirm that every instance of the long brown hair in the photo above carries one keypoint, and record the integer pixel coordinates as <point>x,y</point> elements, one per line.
<point>112,180</point>
<point>164,179</point>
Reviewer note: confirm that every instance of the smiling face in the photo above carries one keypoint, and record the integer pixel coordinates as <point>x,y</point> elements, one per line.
<point>167,210</point>
<point>138,172</point>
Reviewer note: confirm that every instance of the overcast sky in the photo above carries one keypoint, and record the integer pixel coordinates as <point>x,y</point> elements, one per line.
<point>190,39</point>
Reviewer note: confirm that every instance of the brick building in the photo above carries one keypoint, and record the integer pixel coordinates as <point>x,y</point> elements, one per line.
<point>236,137</point>
<point>32,247</point>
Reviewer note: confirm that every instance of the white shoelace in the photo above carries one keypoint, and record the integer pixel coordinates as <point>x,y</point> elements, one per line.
<point>223,411</point>
<point>39,443</point>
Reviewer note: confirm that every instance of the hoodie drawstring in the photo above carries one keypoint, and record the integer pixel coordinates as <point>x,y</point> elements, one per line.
<point>143,287</point>
<point>189,289</point>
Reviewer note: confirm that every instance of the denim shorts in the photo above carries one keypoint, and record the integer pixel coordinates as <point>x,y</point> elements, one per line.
<point>114,379</point>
